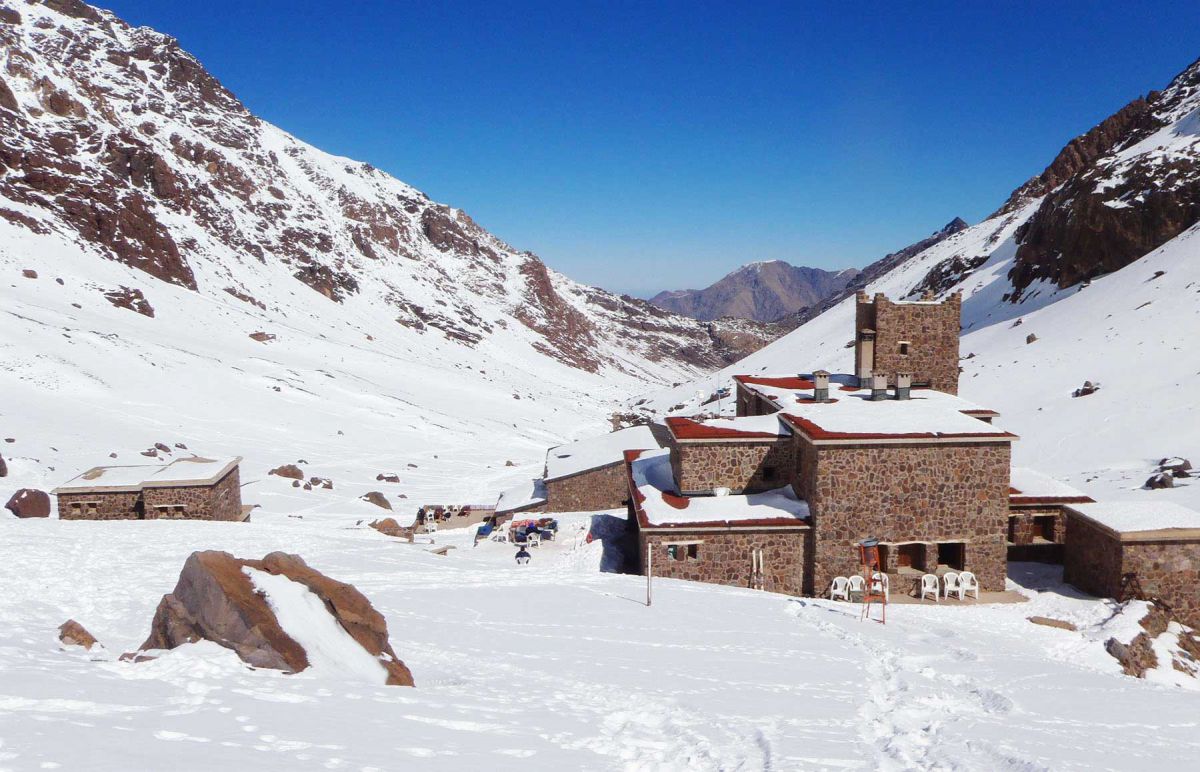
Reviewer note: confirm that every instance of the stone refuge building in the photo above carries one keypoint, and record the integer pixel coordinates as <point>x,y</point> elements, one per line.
<point>1037,505</point>
<point>192,488</point>
<point>787,494</point>
<point>1143,549</point>
<point>918,337</point>
<point>589,475</point>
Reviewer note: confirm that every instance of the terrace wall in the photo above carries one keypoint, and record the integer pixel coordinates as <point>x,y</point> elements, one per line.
<point>907,493</point>
<point>605,487</point>
<point>743,467</point>
<point>725,557</point>
<point>1093,558</point>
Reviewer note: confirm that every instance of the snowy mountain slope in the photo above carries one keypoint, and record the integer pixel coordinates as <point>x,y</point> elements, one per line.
<point>763,291</point>
<point>116,139</point>
<point>1131,329</point>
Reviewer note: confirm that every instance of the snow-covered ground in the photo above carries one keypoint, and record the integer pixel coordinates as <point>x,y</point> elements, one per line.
<point>555,665</point>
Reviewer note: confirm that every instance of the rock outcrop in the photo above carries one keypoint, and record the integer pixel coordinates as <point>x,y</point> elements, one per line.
<point>216,600</point>
<point>290,471</point>
<point>378,499</point>
<point>389,527</point>
<point>29,502</point>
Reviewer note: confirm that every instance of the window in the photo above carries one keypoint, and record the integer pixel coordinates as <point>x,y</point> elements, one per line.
<point>673,552</point>
<point>693,551</point>
<point>911,556</point>
<point>904,348</point>
<point>1044,527</point>
<point>689,551</point>
<point>952,554</point>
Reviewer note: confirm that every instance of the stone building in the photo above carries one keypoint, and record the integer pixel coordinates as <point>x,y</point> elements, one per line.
<point>917,337</point>
<point>589,475</point>
<point>1136,549</point>
<point>192,488</point>
<point>1037,505</point>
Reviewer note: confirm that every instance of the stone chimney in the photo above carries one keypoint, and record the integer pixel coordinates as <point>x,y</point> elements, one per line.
<point>903,385</point>
<point>879,388</point>
<point>864,353</point>
<point>821,386</point>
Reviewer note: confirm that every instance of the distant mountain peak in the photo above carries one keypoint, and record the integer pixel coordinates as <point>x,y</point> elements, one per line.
<point>762,291</point>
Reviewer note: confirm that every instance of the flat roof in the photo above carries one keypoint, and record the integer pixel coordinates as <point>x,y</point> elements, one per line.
<point>658,505</point>
<point>530,493</point>
<point>1149,518</point>
<point>595,452</point>
<point>851,414</point>
<point>1031,487</point>
<point>753,427</point>
<point>189,470</point>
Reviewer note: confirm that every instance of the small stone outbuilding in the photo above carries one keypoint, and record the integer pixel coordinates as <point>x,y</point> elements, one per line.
<point>1147,549</point>
<point>589,475</point>
<point>193,488</point>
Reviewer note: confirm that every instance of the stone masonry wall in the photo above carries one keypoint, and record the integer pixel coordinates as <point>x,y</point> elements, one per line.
<point>752,403</point>
<point>909,493</point>
<point>724,557</point>
<point>1092,561</point>
<point>1024,535</point>
<point>227,497</point>
<point>931,329</point>
<point>604,488</point>
<point>740,466</point>
<point>1169,571</point>
<point>108,506</point>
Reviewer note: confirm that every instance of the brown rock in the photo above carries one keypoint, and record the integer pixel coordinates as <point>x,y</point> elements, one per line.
<point>29,273</point>
<point>130,298</point>
<point>387,478</point>
<point>1030,338</point>
<point>29,502</point>
<point>181,446</point>
<point>322,482</point>
<point>1061,624</point>
<point>378,499</point>
<point>3,467</point>
<point>389,527</point>
<point>152,453</point>
<point>163,447</point>
<point>288,470</point>
<point>262,337</point>
<point>71,633</point>
<point>1160,480</point>
<point>295,483</point>
<point>215,600</point>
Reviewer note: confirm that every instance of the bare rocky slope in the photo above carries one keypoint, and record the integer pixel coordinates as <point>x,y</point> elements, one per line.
<point>115,139</point>
<point>762,291</point>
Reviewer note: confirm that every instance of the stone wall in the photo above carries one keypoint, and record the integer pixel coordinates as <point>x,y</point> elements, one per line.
<point>99,506</point>
<point>725,557</point>
<point>606,487</point>
<point>752,403</point>
<point>930,329</point>
<point>1092,561</point>
<point>740,466</point>
<point>1025,537</point>
<point>907,493</point>
<point>1168,571</point>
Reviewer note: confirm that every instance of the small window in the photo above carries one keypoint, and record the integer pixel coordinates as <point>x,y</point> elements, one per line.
<point>904,348</point>
<point>693,551</point>
<point>673,552</point>
<point>1044,527</point>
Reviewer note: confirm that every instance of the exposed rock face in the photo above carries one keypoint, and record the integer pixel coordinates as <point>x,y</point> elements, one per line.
<point>874,271</point>
<point>119,139</point>
<point>389,527</point>
<point>291,471</point>
<point>29,502</point>
<point>763,291</point>
<point>1114,194</point>
<point>215,600</point>
<point>131,298</point>
<point>71,633</point>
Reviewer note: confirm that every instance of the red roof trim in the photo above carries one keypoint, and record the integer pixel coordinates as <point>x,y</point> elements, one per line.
<point>691,429</point>
<point>817,433</point>
<point>786,382</point>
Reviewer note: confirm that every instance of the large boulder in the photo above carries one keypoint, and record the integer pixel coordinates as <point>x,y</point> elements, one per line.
<point>378,499</point>
<point>290,471</point>
<point>71,633</point>
<point>29,502</point>
<point>216,600</point>
<point>389,527</point>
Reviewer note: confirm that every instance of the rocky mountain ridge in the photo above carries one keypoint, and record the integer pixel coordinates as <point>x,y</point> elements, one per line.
<point>116,139</point>
<point>762,291</point>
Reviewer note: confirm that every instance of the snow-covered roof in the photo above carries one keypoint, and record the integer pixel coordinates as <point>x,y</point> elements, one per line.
<point>595,452</point>
<point>1128,517</point>
<point>657,504</point>
<point>191,470</point>
<point>851,414</point>
<point>743,428</point>
<point>1029,486</point>
<point>530,493</point>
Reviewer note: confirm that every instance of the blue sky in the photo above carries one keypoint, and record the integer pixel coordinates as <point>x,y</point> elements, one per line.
<point>642,147</point>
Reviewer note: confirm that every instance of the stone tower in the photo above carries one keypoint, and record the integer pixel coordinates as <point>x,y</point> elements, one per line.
<point>918,337</point>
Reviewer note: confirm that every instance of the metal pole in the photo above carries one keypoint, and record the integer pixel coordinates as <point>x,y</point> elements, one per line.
<point>649,569</point>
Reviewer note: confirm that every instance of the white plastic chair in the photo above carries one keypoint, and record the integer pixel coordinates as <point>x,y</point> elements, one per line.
<point>929,586</point>
<point>968,584</point>
<point>879,583</point>
<point>535,539</point>
<point>953,584</point>
<point>856,584</point>
<point>840,588</point>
